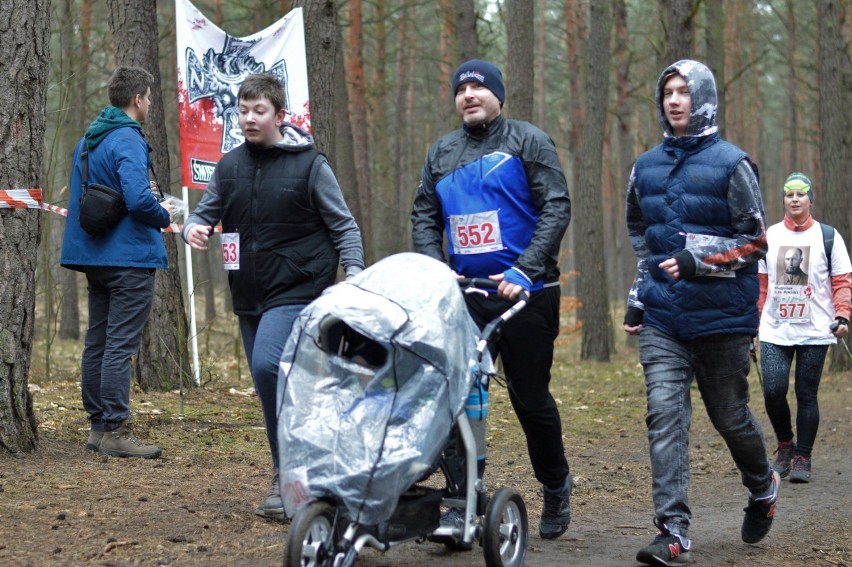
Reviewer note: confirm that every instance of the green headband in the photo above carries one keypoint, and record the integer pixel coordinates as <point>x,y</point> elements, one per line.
<point>799,182</point>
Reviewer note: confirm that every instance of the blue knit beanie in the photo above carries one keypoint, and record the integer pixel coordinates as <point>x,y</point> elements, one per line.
<point>482,72</point>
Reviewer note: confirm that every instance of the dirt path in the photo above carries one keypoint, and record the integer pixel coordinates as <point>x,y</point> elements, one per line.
<point>67,506</point>
<point>612,508</point>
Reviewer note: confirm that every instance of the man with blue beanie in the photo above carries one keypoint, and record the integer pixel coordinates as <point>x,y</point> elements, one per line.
<point>496,189</point>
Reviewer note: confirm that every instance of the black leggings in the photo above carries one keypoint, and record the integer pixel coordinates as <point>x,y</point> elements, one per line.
<point>775,362</point>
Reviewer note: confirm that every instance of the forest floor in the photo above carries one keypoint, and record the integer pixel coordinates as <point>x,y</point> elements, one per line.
<point>64,505</point>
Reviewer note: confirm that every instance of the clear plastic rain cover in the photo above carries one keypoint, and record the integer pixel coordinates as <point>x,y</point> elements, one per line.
<point>372,378</point>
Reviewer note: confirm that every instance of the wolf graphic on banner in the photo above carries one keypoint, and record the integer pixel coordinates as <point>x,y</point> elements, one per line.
<point>211,67</point>
<point>218,76</point>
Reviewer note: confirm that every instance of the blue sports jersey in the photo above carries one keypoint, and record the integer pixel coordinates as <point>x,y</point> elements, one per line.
<point>489,215</point>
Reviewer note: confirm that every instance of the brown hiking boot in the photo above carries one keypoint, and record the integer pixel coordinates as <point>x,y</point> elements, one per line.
<point>121,443</point>
<point>93,443</point>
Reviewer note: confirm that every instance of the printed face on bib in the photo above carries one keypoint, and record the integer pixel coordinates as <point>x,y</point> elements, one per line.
<point>791,300</point>
<point>791,266</point>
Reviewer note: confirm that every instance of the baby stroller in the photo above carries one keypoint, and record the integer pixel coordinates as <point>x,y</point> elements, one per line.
<point>374,376</point>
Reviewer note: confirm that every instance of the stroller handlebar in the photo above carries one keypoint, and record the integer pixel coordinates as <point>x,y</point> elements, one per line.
<point>491,331</point>
<point>479,285</point>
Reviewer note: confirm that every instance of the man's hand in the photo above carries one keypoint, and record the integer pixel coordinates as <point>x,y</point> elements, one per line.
<point>198,235</point>
<point>506,290</point>
<point>670,266</point>
<point>633,320</point>
<point>170,208</point>
<point>633,329</point>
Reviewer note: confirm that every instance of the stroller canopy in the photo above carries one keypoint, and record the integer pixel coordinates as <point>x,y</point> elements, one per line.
<point>373,376</point>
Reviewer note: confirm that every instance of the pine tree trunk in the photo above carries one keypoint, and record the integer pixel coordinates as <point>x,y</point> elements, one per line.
<point>835,86</point>
<point>466,30</point>
<point>625,128</point>
<point>163,360</point>
<point>520,70</point>
<point>358,102</point>
<point>681,29</point>
<point>69,312</point>
<point>589,227</point>
<point>25,52</point>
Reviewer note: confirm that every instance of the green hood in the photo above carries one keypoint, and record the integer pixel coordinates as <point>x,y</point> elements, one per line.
<point>111,118</point>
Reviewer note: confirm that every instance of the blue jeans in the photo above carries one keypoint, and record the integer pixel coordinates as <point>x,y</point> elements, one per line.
<point>776,360</point>
<point>719,364</point>
<point>119,304</point>
<point>264,338</point>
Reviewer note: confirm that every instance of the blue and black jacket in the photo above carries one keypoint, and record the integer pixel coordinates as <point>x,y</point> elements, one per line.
<point>499,194</point>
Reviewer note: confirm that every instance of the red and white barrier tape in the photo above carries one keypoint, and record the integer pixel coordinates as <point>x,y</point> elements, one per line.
<point>32,199</point>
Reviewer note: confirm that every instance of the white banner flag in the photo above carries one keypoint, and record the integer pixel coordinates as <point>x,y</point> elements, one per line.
<point>211,67</point>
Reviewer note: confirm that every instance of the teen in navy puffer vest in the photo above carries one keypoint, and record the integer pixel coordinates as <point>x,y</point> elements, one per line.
<point>680,189</point>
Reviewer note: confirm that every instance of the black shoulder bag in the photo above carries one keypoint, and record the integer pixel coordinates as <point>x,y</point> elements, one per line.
<point>101,207</point>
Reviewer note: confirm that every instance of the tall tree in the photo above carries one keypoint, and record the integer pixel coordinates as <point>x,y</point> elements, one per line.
<point>623,128</point>
<point>163,359</point>
<point>835,95</point>
<point>358,113</point>
<point>448,62</point>
<point>25,52</point>
<point>588,227</point>
<point>78,65</point>
<point>405,173</point>
<point>466,30</point>
<point>541,65</point>
<point>681,28</point>
<point>343,145</point>
<point>384,206</point>
<point>714,44</point>
<point>322,43</point>
<point>792,87</point>
<point>520,70</point>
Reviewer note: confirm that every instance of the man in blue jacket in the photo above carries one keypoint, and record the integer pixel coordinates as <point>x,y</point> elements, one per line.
<point>495,188</point>
<point>120,264</point>
<point>696,222</point>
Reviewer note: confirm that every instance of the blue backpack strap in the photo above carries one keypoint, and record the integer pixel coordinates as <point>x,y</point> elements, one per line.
<point>827,242</point>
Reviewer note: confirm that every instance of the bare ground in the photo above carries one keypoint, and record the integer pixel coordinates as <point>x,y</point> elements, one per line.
<point>64,505</point>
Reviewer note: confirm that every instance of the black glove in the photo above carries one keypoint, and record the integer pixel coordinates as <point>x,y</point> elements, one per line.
<point>634,317</point>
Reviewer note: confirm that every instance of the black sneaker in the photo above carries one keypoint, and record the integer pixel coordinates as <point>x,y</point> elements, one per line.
<point>666,549</point>
<point>453,518</point>
<point>784,454</point>
<point>556,513</point>
<point>800,470</point>
<point>759,513</point>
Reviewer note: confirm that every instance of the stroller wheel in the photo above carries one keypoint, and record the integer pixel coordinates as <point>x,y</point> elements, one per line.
<point>504,541</point>
<point>310,541</point>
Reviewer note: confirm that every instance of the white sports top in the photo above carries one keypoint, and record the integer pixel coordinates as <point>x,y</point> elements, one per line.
<point>799,307</point>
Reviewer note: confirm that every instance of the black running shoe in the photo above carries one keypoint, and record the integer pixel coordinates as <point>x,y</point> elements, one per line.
<point>783,458</point>
<point>667,548</point>
<point>800,469</point>
<point>759,514</point>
